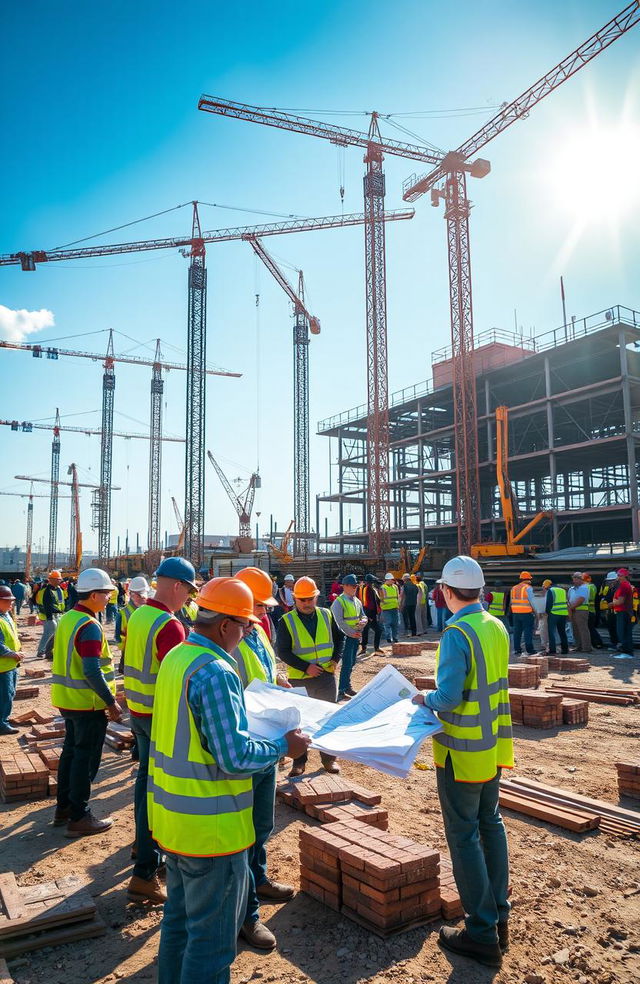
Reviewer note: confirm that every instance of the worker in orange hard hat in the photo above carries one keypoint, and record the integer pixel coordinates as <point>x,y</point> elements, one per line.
<point>523,606</point>
<point>310,643</point>
<point>200,802</point>
<point>51,602</point>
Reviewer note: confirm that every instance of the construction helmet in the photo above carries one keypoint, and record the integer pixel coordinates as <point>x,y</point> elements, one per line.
<point>5,593</point>
<point>259,583</point>
<point>526,576</point>
<point>94,579</point>
<point>178,569</point>
<point>55,574</point>
<point>462,572</point>
<point>227,596</point>
<point>305,587</point>
<point>139,584</point>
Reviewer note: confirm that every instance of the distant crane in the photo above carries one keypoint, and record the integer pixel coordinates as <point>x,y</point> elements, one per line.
<point>180,522</point>
<point>29,537</point>
<point>304,323</point>
<point>281,553</point>
<point>75,540</point>
<point>242,505</point>
<point>448,182</point>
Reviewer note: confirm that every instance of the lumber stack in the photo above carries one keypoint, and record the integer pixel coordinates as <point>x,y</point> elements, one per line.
<point>425,683</point>
<point>26,692</point>
<point>524,675</point>
<point>23,776</point>
<point>622,696</point>
<point>609,818</point>
<point>46,914</point>
<point>566,664</point>
<point>541,662</point>
<point>536,708</point>
<point>575,711</point>
<point>628,778</point>
<point>386,883</point>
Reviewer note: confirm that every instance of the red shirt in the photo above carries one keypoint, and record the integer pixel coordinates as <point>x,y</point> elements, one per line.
<point>171,634</point>
<point>623,598</point>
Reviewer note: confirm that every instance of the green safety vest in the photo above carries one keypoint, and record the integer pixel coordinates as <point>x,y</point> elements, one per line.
<point>497,604</point>
<point>318,650</point>
<point>390,597</point>
<point>189,611</point>
<point>141,657</point>
<point>9,635</point>
<point>38,600</point>
<point>250,666</point>
<point>350,611</point>
<point>194,808</point>
<point>559,601</point>
<point>477,733</point>
<point>592,597</point>
<point>70,689</point>
<point>125,615</point>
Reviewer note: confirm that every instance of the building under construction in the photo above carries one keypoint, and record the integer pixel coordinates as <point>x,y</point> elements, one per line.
<point>574,408</point>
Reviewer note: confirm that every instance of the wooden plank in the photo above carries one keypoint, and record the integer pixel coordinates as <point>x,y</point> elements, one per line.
<point>575,799</point>
<point>71,902</point>
<point>11,900</point>
<point>578,823</point>
<point>54,937</point>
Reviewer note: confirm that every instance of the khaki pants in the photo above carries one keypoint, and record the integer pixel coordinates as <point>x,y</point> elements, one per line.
<point>580,626</point>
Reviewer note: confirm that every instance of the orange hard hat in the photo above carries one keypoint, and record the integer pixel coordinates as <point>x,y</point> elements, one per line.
<point>305,587</point>
<point>526,576</point>
<point>55,574</point>
<point>585,576</point>
<point>228,596</point>
<point>259,583</point>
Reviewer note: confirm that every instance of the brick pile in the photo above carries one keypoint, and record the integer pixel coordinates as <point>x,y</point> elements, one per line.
<point>524,675</point>
<point>414,648</point>
<point>575,711</point>
<point>451,904</point>
<point>541,662</point>
<point>629,779</point>
<point>23,776</point>
<point>347,812</point>
<point>566,664</point>
<point>42,732</point>
<point>326,789</point>
<point>35,674</point>
<point>425,683</point>
<point>50,755</point>
<point>26,692</point>
<point>31,716</point>
<point>535,708</point>
<point>383,882</point>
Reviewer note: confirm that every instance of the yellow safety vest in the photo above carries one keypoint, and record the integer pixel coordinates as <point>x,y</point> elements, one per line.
<point>70,689</point>
<point>477,733</point>
<point>350,611</point>
<point>583,606</point>
<point>592,597</point>
<point>559,601</point>
<point>141,657</point>
<point>125,615</point>
<point>520,604</point>
<point>390,597</point>
<point>318,650</point>
<point>604,594</point>
<point>497,604</point>
<point>194,808</point>
<point>10,638</point>
<point>250,666</point>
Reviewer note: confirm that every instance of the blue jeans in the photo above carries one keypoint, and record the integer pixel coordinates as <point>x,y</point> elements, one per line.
<point>8,684</point>
<point>264,802</point>
<point>148,859</point>
<point>347,663</point>
<point>558,623</point>
<point>205,907</point>
<point>441,614</point>
<point>390,622</point>
<point>48,633</point>
<point>479,854</point>
<point>523,624</point>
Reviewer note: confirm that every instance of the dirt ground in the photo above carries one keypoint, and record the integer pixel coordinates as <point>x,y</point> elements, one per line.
<point>576,897</point>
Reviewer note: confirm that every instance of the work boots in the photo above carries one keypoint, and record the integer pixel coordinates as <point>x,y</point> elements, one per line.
<point>146,890</point>
<point>258,935</point>
<point>459,941</point>
<point>271,891</point>
<point>87,826</point>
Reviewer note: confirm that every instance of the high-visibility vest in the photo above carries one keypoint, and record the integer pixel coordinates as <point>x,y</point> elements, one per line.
<point>189,611</point>
<point>605,600</point>
<point>477,733</point>
<point>350,612</point>
<point>636,605</point>
<point>422,593</point>
<point>125,614</point>
<point>194,808</point>
<point>520,604</point>
<point>58,604</point>
<point>250,666</point>
<point>559,601</point>
<point>141,657</point>
<point>496,606</point>
<point>390,596</point>
<point>70,689</point>
<point>9,635</point>
<point>39,596</point>
<point>318,650</point>
<point>591,604</point>
<point>583,606</point>
<point>113,597</point>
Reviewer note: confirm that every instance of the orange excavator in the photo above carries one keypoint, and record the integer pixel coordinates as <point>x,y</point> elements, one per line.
<point>513,546</point>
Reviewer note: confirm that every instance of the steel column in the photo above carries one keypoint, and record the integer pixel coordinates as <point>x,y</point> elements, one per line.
<point>106,456</point>
<point>155,451</point>
<point>301,426</point>
<point>53,504</point>
<point>196,406</point>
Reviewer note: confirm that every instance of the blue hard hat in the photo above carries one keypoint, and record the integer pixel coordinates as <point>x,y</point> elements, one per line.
<point>350,579</point>
<point>179,569</point>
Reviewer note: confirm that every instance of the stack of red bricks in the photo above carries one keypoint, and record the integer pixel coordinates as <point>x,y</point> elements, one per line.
<point>381,881</point>
<point>23,776</point>
<point>413,648</point>
<point>26,692</point>
<point>325,790</point>
<point>629,778</point>
<point>524,675</point>
<point>35,674</point>
<point>326,813</point>
<point>451,904</point>
<point>566,664</point>
<point>535,708</point>
<point>425,683</point>
<point>541,662</point>
<point>43,732</point>
<point>575,711</point>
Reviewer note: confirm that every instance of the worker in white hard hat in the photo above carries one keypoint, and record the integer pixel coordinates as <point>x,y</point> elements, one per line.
<point>472,702</point>
<point>390,607</point>
<point>83,689</point>
<point>285,594</point>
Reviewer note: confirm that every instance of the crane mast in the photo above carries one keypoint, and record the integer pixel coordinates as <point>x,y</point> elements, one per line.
<point>196,406</point>
<point>102,498</point>
<point>155,450</point>
<point>75,540</point>
<point>28,547</point>
<point>55,480</point>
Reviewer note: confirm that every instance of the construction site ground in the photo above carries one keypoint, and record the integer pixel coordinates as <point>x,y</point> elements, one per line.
<point>576,897</point>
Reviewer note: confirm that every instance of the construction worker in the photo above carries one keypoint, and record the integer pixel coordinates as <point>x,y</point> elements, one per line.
<point>623,610</point>
<point>607,590</point>
<point>555,606</point>
<point>50,602</point>
<point>408,603</point>
<point>18,590</point>
<point>187,614</point>
<point>200,788</point>
<point>578,604</point>
<point>472,702</point>
<point>390,607</point>
<point>11,656</point>
<point>596,638</point>
<point>285,594</point>
<point>368,595</point>
<point>138,594</point>
<point>83,689</point>
<point>152,630</point>
<point>350,618</point>
<point>256,660</point>
<point>522,602</point>
<point>498,604</point>
<point>309,641</point>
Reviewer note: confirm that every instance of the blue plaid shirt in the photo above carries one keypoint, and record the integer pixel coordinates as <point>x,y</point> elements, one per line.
<point>216,699</point>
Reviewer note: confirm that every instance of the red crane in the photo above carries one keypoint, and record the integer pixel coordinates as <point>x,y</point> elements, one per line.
<point>375,147</point>
<point>448,182</point>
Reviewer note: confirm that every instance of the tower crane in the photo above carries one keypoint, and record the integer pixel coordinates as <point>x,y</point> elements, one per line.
<point>242,505</point>
<point>193,248</point>
<point>304,323</point>
<point>180,522</point>
<point>448,182</point>
<point>30,496</point>
<point>53,505</point>
<point>375,147</point>
<point>75,539</point>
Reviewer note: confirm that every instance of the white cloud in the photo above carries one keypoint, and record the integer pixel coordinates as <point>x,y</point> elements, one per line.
<point>15,326</point>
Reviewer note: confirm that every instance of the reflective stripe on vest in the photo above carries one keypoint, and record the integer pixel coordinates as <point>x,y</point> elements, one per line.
<point>318,650</point>
<point>349,609</point>
<point>592,597</point>
<point>477,733</point>
<point>250,666</point>
<point>194,808</point>
<point>520,604</point>
<point>497,604</point>
<point>604,594</point>
<point>10,638</point>
<point>390,597</point>
<point>559,601</point>
<point>70,689</point>
<point>125,615</point>
<point>141,657</point>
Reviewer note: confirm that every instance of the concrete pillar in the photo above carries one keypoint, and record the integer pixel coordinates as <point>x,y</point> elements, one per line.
<point>630,439</point>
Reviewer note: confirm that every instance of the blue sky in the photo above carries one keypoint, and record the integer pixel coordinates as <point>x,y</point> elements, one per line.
<point>100,119</point>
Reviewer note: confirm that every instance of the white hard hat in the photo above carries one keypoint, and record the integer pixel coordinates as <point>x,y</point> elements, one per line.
<point>93,579</point>
<point>462,572</point>
<point>139,584</point>
<point>289,577</point>
<point>389,577</point>
<point>612,576</point>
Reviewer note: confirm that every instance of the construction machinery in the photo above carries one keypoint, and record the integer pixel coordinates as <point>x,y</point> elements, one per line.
<point>243,505</point>
<point>75,539</point>
<point>281,553</point>
<point>407,564</point>
<point>513,547</point>
<point>180,522</point>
